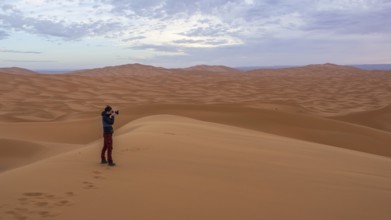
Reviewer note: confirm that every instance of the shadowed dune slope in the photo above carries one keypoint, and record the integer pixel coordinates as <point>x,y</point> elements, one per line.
<point>16,152</point>
<point>379,119</point>
<point>19,152</point>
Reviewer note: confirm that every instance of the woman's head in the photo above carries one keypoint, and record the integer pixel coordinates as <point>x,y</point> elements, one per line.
<point>108,109</point>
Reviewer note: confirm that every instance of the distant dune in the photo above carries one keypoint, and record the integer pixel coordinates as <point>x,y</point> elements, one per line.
<point>360,66</point>
<point>313,69</point>
<point>128,69</point>
<point>206,68</point>
<point>205,142</point>
<point>17,71</point>
<point>323,90</point>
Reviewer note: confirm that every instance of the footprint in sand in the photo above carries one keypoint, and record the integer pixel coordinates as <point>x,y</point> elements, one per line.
<point>88,185</point>
<point>42,204</point>
<point>63,203</point>
<point>16,215</point>
<point>35,194</point>
<point>38,205</point>
<point>97,175</point>
<point>70,193</point>
<point>169,133</point>
<point>23,200</point>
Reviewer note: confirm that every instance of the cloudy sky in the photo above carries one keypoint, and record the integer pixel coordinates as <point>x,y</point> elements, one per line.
<point>74,34</point>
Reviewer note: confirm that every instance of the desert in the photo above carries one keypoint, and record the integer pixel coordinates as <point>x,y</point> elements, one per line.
<point>205,142</point>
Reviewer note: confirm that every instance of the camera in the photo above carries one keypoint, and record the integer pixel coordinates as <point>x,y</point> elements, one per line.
<point>113,113</point>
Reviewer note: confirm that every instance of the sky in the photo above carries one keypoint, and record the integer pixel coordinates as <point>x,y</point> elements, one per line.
<point>79,34</point>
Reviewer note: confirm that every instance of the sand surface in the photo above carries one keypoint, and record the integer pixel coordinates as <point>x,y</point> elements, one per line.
<point>198,143</point>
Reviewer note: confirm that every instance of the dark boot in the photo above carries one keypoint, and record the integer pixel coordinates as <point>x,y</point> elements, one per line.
<point>103,162</point>
<point>111,164</point>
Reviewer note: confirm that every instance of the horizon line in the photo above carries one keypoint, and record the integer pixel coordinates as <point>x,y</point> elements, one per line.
<point>368,66</point>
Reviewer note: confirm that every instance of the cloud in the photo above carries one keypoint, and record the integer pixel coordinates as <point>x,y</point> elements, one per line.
<point>269,52</point>
<point>209,30</point>
<point>164,9</point>
<point>75,30</point>
<point>30,61</point>
<point>123,19</point>
<point>133,38</point>
<point>3,34</point>
<point>159,48</point>
<point>56,27</point>
<point>19,51</point>
<point>118,18</point>
<point>189,41</point>
<point>369,21</point>
<point>209,42</point>
<point>234,19</point>
<point>193,31</point>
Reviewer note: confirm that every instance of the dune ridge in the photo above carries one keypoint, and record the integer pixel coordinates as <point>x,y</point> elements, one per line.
<point>207,68</point>
<point>17,71</point>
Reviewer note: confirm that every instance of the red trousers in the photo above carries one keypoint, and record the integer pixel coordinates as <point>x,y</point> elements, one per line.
<point>107,146</point>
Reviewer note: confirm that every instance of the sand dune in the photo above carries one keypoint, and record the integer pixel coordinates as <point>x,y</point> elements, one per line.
<point>206,68</point>
<point>379,119</point>
<point>319,90</point>
<point>172,167</point>
<point>18,152</point>
<point>288,124</point>
<point>279,122</point>
<point>128,69</point>
<point>17,71</point>
<point>206,142</point>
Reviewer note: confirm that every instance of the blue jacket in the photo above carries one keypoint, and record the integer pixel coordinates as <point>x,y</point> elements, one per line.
<point>107,123</point>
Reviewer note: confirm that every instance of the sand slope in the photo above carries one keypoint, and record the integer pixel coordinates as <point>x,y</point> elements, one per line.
<point>20,152</point>
<point>172,167</point>
<point>379,119</point>
<point>280,122</point>
<point>17,71</point>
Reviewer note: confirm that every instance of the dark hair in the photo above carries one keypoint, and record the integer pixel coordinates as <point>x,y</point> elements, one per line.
<point>108,108</point>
